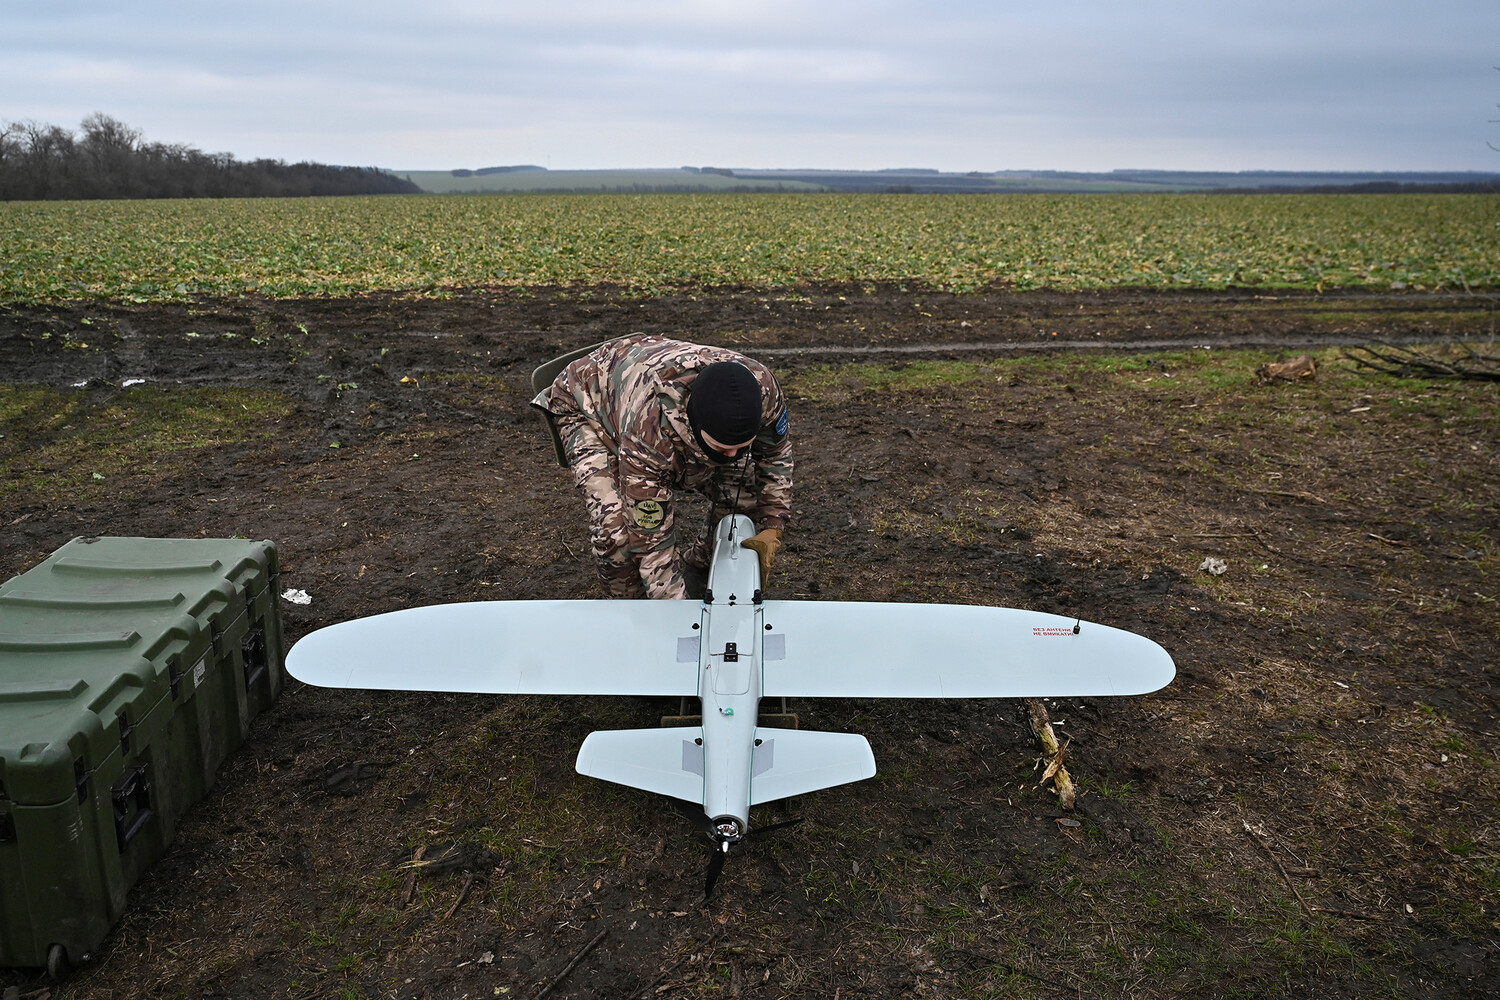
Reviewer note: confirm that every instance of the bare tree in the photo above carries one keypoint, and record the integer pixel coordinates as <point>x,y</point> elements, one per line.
<point>110,160</point>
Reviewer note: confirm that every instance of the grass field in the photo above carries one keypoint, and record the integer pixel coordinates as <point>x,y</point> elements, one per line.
<point>1308,810</point>
<point>162,250</point>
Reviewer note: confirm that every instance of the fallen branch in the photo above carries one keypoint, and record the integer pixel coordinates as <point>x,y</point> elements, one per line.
<point>1041,726</point>
<point>1406,362</point>
<point>682,956</point>
<point>411,878</point>
<point>468,882</point>
<point>576,959</point>
<point>1256,836</point>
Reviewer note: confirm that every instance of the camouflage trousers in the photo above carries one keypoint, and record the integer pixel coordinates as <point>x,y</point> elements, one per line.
<point>625,570</point>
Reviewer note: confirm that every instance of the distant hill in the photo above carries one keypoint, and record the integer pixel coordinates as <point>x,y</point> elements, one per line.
<point>486,171</point>
<point>534,179</point>
<point>539,180</point>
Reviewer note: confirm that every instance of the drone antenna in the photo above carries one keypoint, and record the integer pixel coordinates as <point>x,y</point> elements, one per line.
<point>739,487</point>
<point>733,502</point>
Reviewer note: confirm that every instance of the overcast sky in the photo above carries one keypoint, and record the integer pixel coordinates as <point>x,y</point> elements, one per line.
<point>966,85</point>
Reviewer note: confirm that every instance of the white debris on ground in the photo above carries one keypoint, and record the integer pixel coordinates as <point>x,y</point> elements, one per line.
<point>1214,566</point>
<point>296,597</point>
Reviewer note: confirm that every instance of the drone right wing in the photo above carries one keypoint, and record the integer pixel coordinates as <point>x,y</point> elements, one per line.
<point>834,649</point>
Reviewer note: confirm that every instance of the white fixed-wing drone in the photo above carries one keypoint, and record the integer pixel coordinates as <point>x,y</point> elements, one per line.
<point>730,650</point>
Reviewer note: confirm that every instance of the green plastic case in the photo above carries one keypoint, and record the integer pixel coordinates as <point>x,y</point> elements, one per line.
<point>129,669</point>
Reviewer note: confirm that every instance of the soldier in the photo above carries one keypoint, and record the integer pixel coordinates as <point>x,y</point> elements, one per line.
<point>643,418</point>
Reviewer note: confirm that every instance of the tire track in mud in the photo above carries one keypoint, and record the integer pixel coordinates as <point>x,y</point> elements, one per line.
<point>1208,343</point>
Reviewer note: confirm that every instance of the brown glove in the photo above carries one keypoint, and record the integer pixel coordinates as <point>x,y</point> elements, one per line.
<point>766,545</point>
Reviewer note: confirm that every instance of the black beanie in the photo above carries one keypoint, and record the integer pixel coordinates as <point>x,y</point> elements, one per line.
<point>724,403</point>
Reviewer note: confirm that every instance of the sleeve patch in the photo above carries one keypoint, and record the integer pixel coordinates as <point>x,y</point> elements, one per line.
<point>783,423</point>
<point>648,514</point>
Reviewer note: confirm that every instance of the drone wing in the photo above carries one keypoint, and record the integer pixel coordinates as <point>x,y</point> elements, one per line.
<point>510,647</point>
<point>790,762</point>
<point>669,761</point>
<point>812,649</point>
<point>832,649</point>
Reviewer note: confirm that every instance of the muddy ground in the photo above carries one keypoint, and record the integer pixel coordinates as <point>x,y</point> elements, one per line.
<point>1309,809</point>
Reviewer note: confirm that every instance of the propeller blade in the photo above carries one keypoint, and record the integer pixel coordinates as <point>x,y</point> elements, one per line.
<point>722,836</point>
<point>694,814</point>
<point>715,867</point>
<point>777,826</point>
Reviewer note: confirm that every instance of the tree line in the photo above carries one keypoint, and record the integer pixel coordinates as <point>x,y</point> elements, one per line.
<point>109,159</point>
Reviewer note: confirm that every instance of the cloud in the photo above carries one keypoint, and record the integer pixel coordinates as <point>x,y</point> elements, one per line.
<point>1078,84</point>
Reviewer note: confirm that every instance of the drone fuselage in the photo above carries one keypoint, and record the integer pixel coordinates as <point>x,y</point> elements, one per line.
<point>730,675</point>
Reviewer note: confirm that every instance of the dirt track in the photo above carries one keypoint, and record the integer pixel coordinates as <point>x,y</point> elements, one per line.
<point>1310,808</point>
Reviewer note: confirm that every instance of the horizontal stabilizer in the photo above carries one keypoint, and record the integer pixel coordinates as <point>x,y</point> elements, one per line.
<point>508,647</point>
<point>836,649</point>
<point>667,761</point>
<point>789,762</point>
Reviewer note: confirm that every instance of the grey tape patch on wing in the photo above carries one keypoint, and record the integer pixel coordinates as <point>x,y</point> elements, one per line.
<point>764,758</point>
<point>773,647</point>
<point>692,758</point>
<point>687,649</point>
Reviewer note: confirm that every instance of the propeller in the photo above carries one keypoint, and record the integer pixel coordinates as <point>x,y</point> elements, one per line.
<point>725,833</point>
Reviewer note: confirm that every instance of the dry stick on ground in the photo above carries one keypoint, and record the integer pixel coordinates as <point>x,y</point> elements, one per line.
<point>1382,538</point>
<point>1041,725</point>
<point>411,878</point>
<point>682,956</point>
<point>468,883</point>
<point>1390,359</point>
<point>569,967</point>
<point>1294,494</point>
<point>1257,835</point>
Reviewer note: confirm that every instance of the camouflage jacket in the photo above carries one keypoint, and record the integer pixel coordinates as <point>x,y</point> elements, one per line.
<point>635,389</point>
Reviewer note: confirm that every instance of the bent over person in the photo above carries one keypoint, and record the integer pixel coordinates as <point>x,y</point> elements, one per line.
<point>643,419</point>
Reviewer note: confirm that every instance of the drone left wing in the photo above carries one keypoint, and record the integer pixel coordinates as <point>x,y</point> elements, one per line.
<point>510,647</point>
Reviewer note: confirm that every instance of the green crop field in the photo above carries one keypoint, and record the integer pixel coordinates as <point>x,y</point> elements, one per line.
<point>156,250</point>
